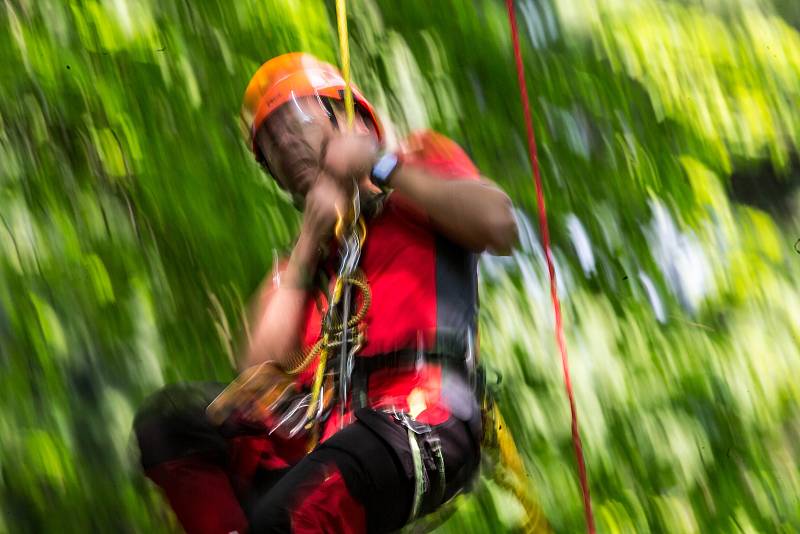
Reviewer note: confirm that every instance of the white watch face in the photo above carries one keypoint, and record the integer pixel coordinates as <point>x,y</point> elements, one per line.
<point>385,166</point>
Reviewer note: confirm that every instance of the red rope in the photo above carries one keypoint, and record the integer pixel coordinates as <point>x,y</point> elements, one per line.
<point>562,346</point>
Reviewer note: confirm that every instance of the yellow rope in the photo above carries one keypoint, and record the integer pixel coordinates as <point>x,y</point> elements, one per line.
<point>514,478</point>
<point>318,374</point>
<point>344,49</point>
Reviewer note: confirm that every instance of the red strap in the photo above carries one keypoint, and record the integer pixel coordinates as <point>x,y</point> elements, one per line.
<point>576,437</point>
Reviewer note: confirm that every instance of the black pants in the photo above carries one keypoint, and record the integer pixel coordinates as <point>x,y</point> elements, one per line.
<point>361,479</point>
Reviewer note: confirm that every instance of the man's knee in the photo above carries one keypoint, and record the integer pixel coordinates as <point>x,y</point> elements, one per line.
<point>171,424</point>
<point>272,514</point>
<point>314,500</point>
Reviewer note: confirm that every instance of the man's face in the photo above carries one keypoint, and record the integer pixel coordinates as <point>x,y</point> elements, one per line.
<point>292,139</point>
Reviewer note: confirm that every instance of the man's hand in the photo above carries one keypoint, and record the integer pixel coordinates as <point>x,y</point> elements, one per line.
<point>349,157</point>
<point>326,203</point>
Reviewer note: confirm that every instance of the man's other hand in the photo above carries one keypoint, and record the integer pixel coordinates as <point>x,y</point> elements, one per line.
<point>349,157</point>
<point>326,203</point>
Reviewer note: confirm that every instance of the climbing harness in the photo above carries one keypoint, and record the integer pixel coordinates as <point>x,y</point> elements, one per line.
<point>576,438</point>
<point>428,458</point>
<point>431,451</point>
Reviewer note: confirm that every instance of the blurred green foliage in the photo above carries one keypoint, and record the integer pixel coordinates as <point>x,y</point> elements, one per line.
<point>134,225</point>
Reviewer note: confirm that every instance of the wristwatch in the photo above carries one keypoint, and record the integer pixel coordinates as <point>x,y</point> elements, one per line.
<point>384,168</point>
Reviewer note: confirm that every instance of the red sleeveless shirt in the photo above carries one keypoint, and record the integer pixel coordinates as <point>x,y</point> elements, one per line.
<point>423,288</point>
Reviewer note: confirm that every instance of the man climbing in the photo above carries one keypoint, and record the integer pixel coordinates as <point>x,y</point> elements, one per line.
<point>356,408</point>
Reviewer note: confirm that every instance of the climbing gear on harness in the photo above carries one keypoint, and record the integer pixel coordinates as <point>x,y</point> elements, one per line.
<point>267,383</point>
<point>428,458</point>
<point>576,438</point>
<point>276,398</point>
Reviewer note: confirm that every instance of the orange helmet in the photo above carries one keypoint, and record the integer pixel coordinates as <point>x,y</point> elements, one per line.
<point>289,76</point>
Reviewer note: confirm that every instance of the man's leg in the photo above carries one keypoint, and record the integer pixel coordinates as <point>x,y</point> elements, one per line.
<point>361,480</point>
<point>328,491</point>
<point>207,473</point>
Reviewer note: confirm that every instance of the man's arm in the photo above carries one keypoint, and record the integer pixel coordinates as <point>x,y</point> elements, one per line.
<point>476,214</point>
<point>277,318</point>
<point>277,329</point>
<point>472,212</point>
